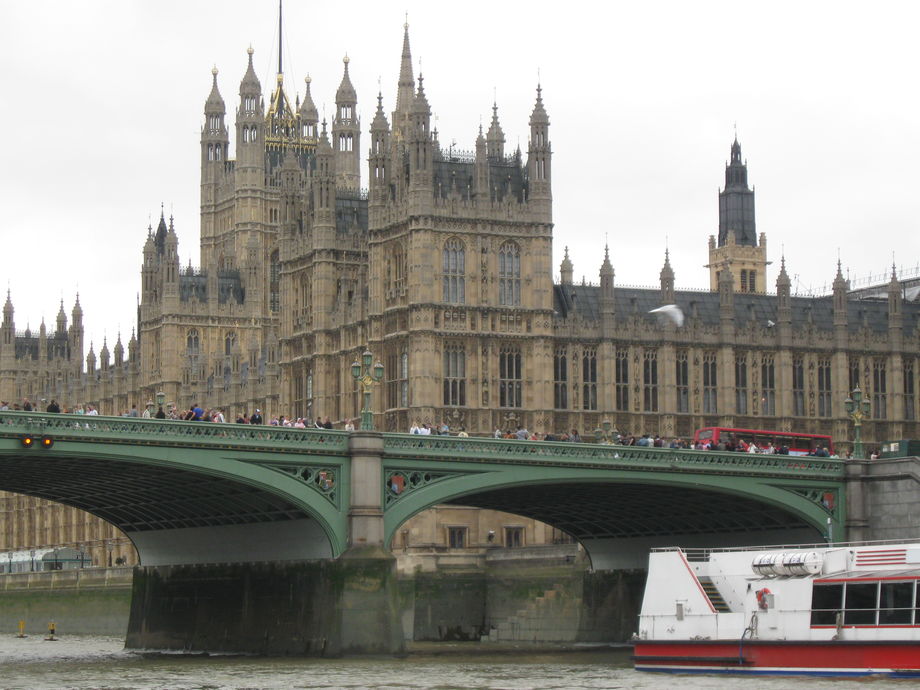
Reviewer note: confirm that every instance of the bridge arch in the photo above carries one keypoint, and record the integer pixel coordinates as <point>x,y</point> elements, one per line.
<point>620,510</point>
<point>203,496</point>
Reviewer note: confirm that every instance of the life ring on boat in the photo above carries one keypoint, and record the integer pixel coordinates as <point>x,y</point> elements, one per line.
<point>762,598</point>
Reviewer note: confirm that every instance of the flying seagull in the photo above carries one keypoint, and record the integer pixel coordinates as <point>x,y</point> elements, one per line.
<point>770,324</point>
<point>672,311</point>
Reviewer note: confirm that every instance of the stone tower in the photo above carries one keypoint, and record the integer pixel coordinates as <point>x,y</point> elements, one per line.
<point>738,249</point>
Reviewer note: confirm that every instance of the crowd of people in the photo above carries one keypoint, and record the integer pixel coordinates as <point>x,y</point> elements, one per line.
<point>198,414</point>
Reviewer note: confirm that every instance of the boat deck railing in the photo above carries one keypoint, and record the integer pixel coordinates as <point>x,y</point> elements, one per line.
<point>702,555</point>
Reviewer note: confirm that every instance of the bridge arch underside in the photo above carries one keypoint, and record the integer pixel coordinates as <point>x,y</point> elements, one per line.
<point>172,515</point>
<point>618,523</point>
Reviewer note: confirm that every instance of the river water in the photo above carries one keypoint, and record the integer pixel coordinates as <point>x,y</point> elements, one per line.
<point>100,663</point>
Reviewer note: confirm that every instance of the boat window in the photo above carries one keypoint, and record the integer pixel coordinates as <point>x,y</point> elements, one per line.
<point>826,601</point>
<point>861,603</point>
<point>896,600</point>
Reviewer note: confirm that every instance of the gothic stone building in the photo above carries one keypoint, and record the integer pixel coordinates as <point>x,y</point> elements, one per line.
<point>442,268</point>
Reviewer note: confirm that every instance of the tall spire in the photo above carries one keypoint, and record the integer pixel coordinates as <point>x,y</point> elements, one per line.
<point>736,203</point>
<point>280,40</point>
<point>405,93</point>
<point>495,137</point>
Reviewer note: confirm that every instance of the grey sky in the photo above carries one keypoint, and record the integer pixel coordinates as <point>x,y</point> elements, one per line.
<point>103,108</point>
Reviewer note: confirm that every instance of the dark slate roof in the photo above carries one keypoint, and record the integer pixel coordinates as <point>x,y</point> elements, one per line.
<point>459,173</point>
<point>194,287</point>
<point>750,310</point>
<point>350,213</point>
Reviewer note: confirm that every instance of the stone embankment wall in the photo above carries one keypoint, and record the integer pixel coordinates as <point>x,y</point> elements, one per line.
<point>539,595</point>
<point>524,595</point>
<point>890,490</point>
<point>83,601</point>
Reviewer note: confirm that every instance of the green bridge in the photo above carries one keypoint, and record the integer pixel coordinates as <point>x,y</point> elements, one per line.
<point>190,493</point>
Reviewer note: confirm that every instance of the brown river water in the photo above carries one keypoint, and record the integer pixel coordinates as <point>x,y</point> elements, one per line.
<point>100,663</point>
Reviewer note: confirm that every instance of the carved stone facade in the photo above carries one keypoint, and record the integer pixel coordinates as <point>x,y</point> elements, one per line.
<point>442,268</point>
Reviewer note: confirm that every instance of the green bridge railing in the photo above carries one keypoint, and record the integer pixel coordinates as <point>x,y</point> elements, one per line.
<point>131,430</point>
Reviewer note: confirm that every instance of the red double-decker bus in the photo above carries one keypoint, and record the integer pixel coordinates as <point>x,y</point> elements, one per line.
<point>798,444</point>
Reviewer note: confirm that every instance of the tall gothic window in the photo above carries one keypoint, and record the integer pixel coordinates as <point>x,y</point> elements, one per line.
<point>454,375</point>
<point>509,275</point>
<point>560,380</point>
<point>589,379</point>
<point>509,376</point>
<point>404,379</point>
<point>798,387</point>
<point>192,343</point>
<point>682,379</point>
<point>768,386</point>
<point>622,380</point>
<point>879,390</point>
<point>710,384</point>
<point>855,378</point>
<point>229,343</point>
<point>453,270</point>
<point>741,384</point>
<point>910,402</point>
<point>274,282</point>
<point>650,381</point>
<point>309,394</point>
<point>824,388</point>
<point>396,372</point>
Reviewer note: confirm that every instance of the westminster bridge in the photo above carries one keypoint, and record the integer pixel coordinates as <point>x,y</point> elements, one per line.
<point>190,495</point>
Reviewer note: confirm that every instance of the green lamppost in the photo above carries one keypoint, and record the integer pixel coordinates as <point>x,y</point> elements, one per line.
<point>367,378</point>
<point>606,433</point>
<point>161,398</point>
<point>857,409</point>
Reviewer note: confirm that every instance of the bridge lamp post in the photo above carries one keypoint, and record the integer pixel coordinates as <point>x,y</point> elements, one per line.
<point>857,409</point>
<point>606,433</point>
<point>161,398</point>
<point>367,378</point>
<point>110,547</point>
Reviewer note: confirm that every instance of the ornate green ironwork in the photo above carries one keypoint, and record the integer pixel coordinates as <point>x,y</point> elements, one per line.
<point>138,431</point>
<point>322,479</point>
<point>402,482</point>
<point>445,448</point>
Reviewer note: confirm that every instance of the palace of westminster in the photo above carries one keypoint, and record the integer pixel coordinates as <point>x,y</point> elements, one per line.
<point>442,268</point>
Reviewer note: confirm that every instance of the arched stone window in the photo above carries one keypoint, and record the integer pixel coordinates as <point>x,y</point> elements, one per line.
<point>510,377</point>
<point>453,270</point>
<point>509,275</point>
<point>274,282</point>
<point>229,343</point>
<point>192,343</point>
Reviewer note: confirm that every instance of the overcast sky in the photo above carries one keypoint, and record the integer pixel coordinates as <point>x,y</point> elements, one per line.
<point>103,106</point>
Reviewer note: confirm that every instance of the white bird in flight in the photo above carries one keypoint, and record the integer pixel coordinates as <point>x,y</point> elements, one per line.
<point>672,311</point>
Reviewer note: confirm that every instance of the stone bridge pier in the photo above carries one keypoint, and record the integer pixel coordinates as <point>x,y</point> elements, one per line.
<point>320,607</point>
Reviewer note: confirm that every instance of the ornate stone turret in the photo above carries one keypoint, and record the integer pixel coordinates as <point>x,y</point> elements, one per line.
<point>539,159</point>
<point>840,298</point>
<point>61,320</point>
<point>667,280</point>
<point>119,352</point>
<point>419,143</point>
<point>895,301</point>
<point>378,156</point>
<point>309,116</point>
<point>346,134</point>
<point>783,295</point>
<point>565,269</point>
<point>405,94</point>
<point>495,137</point>
<point>91,361</point>
<point>738,249</point>
<point>250,128</point>
<point>607,301</point>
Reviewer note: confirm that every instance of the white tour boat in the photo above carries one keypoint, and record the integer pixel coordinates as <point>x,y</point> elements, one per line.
<point>834,609</point>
